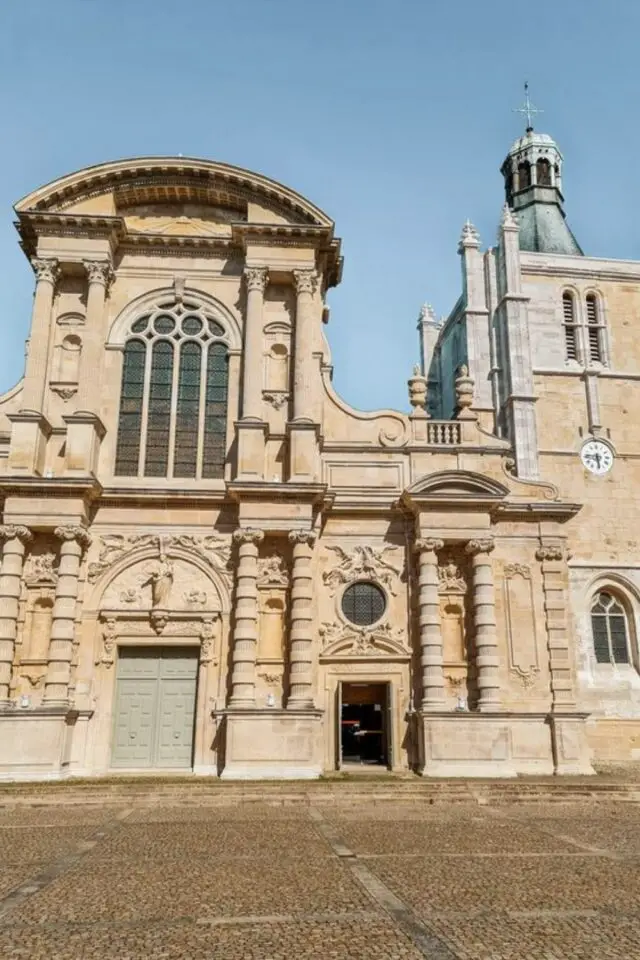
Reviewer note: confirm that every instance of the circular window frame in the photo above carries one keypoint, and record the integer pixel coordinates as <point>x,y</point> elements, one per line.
<point>350,623</point>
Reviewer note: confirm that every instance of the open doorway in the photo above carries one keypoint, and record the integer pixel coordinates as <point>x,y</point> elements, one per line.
<point>364,724</point>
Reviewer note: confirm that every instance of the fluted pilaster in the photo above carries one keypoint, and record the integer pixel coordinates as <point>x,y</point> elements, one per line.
<point>243,676</point>
<point>100,275</point>
<point>47,272</point>
<point>306,282</point>
<point>256,281</point>
<point>301,647</point>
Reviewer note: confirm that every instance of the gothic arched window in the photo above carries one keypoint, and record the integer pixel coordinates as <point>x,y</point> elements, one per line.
<point>570,325</point>
<point>173,401</point>
<point>609,629</point>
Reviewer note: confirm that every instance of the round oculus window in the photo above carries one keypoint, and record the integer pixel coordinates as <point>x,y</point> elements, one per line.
<point>363,604</point>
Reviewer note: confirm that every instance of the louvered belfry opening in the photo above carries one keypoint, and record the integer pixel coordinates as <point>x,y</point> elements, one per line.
<point>173,402</point>
<point>570,333</point>
<point>593,329</point>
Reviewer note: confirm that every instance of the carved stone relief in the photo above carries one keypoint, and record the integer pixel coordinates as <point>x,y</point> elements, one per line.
<point>450,579</point>
<point>272,571</point>
<point>363,562</point>
<point>40,569</point>
<point>215,549</point>
<point>384,640</point>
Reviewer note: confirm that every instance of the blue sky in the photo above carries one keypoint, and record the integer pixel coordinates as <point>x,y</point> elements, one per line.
<point>394,117</point>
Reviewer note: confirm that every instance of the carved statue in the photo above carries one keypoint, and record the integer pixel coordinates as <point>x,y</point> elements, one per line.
<point>161,581</point>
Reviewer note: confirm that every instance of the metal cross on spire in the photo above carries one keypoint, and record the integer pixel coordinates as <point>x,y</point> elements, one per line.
<point>528,110</point>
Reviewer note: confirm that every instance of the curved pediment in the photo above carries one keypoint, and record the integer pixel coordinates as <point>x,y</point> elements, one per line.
<point>456,485</point>
<point>150,188</point>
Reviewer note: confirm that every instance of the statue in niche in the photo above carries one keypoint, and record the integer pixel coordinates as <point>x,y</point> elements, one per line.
<point>161,580</point>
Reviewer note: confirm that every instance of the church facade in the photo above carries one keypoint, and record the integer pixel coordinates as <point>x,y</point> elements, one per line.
<point>212,564</point>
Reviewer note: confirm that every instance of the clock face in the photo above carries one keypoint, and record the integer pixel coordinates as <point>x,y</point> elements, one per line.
<point>597,457</point>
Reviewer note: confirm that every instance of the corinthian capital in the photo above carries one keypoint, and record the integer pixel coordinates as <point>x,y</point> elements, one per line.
<point>306,281</point>
<point>308,537</point>
<point>482,545</point>
<point>12,532</point>
<point>46,269</point>
<point>248,535</point>
<point>99,271</point>
<point>550,552</point>
<point>428,545</point>
<point>256,278</point>
<point>79,534</point>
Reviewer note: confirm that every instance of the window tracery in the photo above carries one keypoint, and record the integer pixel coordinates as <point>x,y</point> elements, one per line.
<point>609,629</point>
<point>173,400</point>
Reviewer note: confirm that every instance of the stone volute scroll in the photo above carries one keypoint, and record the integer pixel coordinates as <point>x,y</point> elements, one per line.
<point>431,661</point>
<point>301,648</point>
<point>74,541</point>
<point>14,540</point>
<point>484,617</point>
<point>243,676</point>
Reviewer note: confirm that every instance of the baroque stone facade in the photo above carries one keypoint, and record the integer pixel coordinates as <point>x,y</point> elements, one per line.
<point>211,563</point>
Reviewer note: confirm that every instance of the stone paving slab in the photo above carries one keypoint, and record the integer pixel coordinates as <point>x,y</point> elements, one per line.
<point>445,885</point>
<point>493,937</point>
<point>20,844</point>
<point>348,939</point>
<point>197,888</point>
<point>470,836</point>
<point>213,839</point>
<point>393,881</point>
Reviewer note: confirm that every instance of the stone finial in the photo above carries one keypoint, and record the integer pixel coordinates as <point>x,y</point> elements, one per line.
<point>464,394</point>
<point>428,315</point>
<point>469,237</point>
<point>417,392</point>
<point>508,220</point>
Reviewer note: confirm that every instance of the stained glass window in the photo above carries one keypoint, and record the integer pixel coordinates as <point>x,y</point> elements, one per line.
<point>130,423</point>
<point>215,411</point>
<point>363,603</point>
<point>178,374</point>
<point>609,628</point>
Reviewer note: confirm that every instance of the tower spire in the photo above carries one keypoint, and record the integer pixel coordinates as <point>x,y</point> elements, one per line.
<point>527,109</point>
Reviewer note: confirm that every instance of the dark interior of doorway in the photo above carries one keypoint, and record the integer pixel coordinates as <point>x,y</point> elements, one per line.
<point>363,724</point>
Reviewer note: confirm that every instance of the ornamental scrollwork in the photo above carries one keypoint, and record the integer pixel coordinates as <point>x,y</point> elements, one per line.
<point>428,545</point>
<point>272,571</point>
<point>450,579</point>
<point>77,533</point>
<point>364,562</point>
<point>207,641</point>
<point>481,545</point>
<point>248,535</point>
<point>517,570</point>
<point>99,271</point>
<point>13,532</point>
<point>552,552</point>
<point>349,641</point>
<point>214,549</point>
<point>308,537</point>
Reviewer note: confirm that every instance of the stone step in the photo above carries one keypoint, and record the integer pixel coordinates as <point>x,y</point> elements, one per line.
<point>347,793</point>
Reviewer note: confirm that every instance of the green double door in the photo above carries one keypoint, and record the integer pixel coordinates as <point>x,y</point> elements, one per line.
<point>155,707</point>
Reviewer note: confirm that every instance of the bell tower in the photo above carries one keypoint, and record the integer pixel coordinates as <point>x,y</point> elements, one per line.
<point>532,174</point>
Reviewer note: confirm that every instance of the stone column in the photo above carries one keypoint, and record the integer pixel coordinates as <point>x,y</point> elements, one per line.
<point>252,375</point>
<point>74,541</point>
<point>430,631</point>
<point>33,391</point>
<point>553,560</point>
<point>484,617</point>
<point>100,274</point>
<point>15,541</point>
<point>243,676</point>
<point>303,375</point>
<point>301,647</point>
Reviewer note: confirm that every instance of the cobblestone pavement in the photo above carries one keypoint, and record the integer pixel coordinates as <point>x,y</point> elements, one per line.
<point>539,881</point>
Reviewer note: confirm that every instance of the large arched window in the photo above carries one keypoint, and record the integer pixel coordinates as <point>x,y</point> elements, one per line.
<point>609,629</point>
<point>173,401</point>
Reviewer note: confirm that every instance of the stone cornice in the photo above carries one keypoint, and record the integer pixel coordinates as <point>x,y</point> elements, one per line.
<point>31,225</point>
<point>51,488</point>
